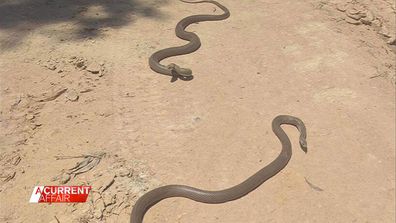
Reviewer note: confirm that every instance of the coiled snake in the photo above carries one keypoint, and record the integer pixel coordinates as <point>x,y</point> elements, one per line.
<point>151,198</point>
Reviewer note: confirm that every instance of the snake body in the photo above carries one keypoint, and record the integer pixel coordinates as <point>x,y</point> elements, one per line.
<point>193,44</point>
<point>151,198</point>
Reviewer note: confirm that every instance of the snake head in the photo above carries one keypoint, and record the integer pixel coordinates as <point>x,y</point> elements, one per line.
<point>179,71</point>
<point>303,144</point>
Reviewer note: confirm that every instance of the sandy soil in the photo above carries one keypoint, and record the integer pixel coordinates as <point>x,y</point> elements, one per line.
<point>75,81</point>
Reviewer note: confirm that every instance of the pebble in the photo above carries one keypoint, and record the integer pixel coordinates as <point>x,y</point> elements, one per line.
<point>80,64</point>
<point>72,95</point>
<point>29,116</point>
<point>123,172</point>
<point>51,67</point>
<point>94,68</point>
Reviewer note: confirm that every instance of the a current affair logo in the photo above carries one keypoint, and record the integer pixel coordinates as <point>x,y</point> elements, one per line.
<point>60,194</point>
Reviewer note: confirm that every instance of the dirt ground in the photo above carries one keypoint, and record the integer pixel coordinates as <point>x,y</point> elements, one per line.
<point>75,82</point>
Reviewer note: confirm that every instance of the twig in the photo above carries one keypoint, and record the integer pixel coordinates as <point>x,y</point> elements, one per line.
<point>375,76</point>
<point>57,220</point>
<point>313,186</point>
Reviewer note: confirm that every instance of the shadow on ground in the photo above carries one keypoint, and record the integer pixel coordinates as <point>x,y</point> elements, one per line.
<point>75,19</point>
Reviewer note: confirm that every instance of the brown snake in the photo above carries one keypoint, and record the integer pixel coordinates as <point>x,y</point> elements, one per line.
<point>149,199</point>
<point>152,197</point>
<point>193,45</point>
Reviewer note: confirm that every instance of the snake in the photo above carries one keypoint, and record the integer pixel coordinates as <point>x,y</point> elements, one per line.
<point>145,202</point>
<point>194,43</point>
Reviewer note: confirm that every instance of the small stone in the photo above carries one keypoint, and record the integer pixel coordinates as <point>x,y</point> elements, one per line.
<point>51,67</point>
<point>94,68</point>
<point>80,63</point>
<point>29,116</point>
<point>123,172</point>
<point>72,95</point>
